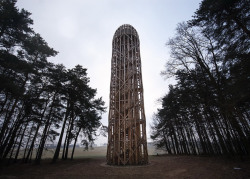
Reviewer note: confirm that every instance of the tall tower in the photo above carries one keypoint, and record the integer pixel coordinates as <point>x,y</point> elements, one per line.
<point>127,141</point>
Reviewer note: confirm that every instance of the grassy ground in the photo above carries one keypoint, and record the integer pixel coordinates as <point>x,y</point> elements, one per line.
<point>96,152</point>
<point>91,164</point>
<point>159,167</point>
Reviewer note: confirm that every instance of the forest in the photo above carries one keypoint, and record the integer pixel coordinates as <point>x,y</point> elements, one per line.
<point>40,102</point>
<point>207,111</point>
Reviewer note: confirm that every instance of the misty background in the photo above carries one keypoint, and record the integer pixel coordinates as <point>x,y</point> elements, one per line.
<point>82,32</point>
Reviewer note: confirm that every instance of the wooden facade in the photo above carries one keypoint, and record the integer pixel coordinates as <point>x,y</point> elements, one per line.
<point>127,141</point>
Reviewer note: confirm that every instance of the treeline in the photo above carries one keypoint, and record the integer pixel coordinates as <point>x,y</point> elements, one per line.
<point>208,110</point>
<point>40,101</point>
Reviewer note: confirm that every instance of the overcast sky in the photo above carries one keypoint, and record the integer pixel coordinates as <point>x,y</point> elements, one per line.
<point>82,32</point>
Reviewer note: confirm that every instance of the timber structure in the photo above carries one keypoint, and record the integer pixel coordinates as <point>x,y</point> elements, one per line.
<point>127,141</point>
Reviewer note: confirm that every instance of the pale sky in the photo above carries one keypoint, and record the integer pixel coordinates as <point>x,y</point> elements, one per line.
<point>82,32</point>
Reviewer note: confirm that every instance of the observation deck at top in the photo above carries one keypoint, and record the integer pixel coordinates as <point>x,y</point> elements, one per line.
<point>125,29</point>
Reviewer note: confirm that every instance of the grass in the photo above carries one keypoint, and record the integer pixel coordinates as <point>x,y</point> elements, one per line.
<point>99,151</point>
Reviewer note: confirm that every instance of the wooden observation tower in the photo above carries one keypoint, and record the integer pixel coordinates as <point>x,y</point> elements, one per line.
<point>127,141</point>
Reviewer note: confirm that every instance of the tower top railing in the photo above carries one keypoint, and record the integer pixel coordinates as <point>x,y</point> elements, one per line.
<point>125,29</point>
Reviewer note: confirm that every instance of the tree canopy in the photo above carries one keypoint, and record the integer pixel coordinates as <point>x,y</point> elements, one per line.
<point>40,101</point>
<point>207,111</point>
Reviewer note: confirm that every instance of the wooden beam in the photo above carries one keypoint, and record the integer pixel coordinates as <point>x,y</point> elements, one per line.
<point>127,141</point>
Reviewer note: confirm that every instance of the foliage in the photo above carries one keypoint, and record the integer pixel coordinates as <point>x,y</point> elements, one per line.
<point>207,111</point>
<point>39,99</point>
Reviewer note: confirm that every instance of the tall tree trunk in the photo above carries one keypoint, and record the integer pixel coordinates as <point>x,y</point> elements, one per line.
<point>28,141</point>
<point>73,150</point>
<point>56,154</point>
<point>190,141</point>
<point>45,132</point>
<point>20,142</point>
<point>32,144</point>
<point>176,142</point>
<point>69,137</point>
<point>166,144</point>
<point>65,142</point>
<point>13,147</point>
<point>10,138</point>
<point>8,117</point>
<point>7,120</point>
<point>10,143</point>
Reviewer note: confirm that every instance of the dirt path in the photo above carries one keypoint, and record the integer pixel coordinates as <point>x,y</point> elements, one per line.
<point>160,167</point>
